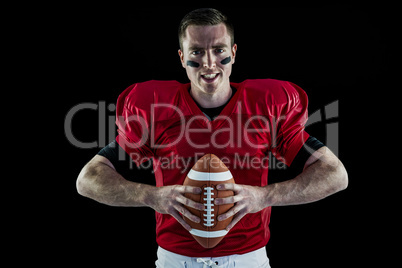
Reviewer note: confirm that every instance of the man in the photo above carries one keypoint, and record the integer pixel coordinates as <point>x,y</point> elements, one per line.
<point>175,124</point>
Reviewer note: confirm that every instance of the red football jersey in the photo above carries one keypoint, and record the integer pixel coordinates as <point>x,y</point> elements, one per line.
<point>160,120</point>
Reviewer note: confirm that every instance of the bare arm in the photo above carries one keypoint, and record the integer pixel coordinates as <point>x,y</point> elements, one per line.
<point>323,175</point>
<point>100,181</point>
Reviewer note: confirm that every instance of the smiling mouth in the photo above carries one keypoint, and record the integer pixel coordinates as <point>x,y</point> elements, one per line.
<point>210,77</point>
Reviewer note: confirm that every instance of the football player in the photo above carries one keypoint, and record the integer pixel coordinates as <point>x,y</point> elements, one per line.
<point>175,124</point>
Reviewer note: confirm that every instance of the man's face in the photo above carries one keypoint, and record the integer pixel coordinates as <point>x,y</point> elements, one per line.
<point>207,57</point>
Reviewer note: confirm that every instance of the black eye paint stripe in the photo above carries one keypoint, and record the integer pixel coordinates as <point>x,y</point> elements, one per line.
<point>193,64</point>
<point>226,60</point>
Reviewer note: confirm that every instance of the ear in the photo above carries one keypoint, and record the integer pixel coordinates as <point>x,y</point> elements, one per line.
<point>181,55</point>
<point>234,49</point>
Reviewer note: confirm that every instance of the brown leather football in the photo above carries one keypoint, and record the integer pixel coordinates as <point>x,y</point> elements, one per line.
<point>207,173</point>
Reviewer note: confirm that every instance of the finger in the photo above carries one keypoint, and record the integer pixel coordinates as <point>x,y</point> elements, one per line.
<point>231,212</point>
<point>236,219</point>
<point>229,186</point>
<point>177,216</point>
<point>190,203</point>
<point>187,213</point>
<point>228,200</point>
<point>189,189</point>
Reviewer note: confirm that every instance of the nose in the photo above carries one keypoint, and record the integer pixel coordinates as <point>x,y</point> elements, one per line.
<point>210,61</point>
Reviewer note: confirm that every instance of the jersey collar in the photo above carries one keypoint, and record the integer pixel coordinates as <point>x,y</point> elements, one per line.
<point>226,112</point>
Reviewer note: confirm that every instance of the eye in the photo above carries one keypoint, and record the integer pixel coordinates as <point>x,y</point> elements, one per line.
<point>219,50</point>
<point>196,52</point>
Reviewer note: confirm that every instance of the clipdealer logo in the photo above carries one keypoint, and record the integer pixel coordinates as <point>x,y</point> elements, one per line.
<point>329,116</point>
<point>105,115</point>
<point>106,124</point>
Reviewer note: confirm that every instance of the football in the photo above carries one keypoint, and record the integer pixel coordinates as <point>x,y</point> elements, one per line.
<point>207,173</point>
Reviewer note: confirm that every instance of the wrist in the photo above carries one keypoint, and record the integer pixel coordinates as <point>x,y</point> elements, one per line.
<point>268,196</point>
<point>149,195</point>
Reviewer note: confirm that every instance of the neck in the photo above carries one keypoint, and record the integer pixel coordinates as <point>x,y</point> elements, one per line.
<point>211,100</point>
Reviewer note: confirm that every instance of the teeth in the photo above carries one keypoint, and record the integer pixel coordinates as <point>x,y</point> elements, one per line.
<point>210,76</point>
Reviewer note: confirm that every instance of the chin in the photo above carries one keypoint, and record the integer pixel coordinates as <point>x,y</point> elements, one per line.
<point>210,89</point>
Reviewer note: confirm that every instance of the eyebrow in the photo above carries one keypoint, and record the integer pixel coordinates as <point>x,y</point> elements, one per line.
<point>196,47</point>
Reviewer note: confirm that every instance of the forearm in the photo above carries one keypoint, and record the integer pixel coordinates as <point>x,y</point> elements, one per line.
<point>101,182</point>
<point>322,178</point>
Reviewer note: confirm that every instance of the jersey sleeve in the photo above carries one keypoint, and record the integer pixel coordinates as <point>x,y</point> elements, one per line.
<point>291,117</point>
<point>133,120</point>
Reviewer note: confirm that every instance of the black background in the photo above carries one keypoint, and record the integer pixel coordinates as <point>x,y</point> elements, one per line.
<point>335,53</point>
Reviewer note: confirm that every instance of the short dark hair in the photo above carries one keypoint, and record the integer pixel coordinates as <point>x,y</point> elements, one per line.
<point>203,17</point>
